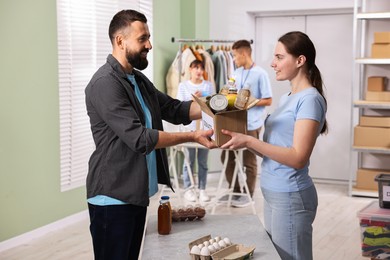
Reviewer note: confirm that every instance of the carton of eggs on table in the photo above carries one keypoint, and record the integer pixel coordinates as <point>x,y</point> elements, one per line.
<point>204,247</point>
<point>188,213</point>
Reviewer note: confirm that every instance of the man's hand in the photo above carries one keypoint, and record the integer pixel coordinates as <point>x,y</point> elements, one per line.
<point>203,137</point>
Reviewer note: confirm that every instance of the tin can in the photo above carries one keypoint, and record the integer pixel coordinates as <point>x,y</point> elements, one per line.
<point>242,98</point>
<point>218,103</point>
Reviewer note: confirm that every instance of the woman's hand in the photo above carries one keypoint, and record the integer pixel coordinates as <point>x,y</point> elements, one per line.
<point>237,140</point>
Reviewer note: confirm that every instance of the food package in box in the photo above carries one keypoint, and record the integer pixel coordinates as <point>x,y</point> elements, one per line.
<point>375,230</point>
<point>235,121</point>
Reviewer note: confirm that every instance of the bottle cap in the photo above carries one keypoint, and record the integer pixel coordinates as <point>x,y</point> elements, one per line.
<point>165,197</point>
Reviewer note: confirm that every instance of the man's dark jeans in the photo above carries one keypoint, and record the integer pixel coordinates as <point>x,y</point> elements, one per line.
<point>117,231</point>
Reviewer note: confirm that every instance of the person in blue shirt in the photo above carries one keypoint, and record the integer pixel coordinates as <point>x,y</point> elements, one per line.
<point>290,197</point>
<point>248,75</point>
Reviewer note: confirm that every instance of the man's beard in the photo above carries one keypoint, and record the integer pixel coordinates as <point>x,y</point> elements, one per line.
<point>135,59</point>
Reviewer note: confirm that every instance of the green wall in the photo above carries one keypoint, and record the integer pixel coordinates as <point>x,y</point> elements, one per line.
<point>30,194</point>
<point>179,19</point>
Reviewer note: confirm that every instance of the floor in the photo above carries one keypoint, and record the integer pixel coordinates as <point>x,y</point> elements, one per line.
<point>336,227</point>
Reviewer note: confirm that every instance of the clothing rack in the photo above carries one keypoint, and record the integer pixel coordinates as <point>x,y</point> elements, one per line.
<point>183,40</point>
<point>173,39</point>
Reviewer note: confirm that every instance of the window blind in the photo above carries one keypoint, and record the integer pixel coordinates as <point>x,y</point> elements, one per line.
<point>83,46</point>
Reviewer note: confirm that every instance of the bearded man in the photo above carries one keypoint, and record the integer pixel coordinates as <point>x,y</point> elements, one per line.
<point>126,112</point>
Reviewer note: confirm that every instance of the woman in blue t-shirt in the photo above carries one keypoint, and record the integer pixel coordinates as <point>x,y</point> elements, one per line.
<point>290,197</point>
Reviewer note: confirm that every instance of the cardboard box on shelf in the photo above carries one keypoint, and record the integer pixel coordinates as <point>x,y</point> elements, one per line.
<point>375,121</point>
<point>372,136</point>
<point>378,95</point>
<point>376,83</point>
<point>381,37</point>
<point>380,50</point>
<point>234,120</point>
<point>374,235</point>
<point>365,178</point>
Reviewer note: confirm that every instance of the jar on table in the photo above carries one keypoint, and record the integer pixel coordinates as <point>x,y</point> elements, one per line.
<point>164,220</point>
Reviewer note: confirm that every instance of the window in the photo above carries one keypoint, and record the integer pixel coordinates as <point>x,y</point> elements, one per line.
<point>83,46</point>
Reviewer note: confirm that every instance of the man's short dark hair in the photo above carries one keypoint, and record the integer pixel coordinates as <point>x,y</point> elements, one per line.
<point>123,19</point>
<point>242,44</point>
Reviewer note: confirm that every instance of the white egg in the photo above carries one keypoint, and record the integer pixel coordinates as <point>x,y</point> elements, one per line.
<point>195,250</point>
<point>200,246</point>
<point>205,251</point>
<point>222,244</point>
<point>211,241</point>
<point>211,249</point>
<point>206,243</point>
<point>216,246</point>
<point>227,241</point>
<point>217,239</point>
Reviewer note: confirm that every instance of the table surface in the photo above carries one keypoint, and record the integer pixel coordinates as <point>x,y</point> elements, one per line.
<point>240,229</point>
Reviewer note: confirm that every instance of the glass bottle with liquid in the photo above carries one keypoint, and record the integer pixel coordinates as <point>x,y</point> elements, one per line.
<point>164,220</point>
<point>169,204</point>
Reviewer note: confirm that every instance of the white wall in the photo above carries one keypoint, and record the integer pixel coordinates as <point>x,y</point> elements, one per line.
<point>232,20</point>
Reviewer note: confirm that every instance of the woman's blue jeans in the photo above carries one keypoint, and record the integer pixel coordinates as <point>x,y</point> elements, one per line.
<point>288,218</point>
<point>117,231</point>
<point>202,167</point>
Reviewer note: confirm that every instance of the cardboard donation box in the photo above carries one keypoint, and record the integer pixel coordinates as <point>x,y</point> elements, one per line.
<point>372,136</point>
<point>374,229</point>
<point>376,83</point>
<point>232,120</point>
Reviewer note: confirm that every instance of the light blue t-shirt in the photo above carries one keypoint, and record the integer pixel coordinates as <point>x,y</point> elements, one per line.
<point>259,84</point>
<point>103,200</point>
<point>279,130</point>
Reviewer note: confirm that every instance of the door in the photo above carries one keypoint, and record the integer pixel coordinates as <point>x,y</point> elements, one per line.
<point>332,37</point>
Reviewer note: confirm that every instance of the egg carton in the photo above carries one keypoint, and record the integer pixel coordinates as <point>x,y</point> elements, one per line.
<point>202,240</point>
<point>234,252</point>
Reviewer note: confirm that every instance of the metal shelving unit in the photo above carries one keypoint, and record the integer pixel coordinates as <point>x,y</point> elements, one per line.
<point>362,17</point>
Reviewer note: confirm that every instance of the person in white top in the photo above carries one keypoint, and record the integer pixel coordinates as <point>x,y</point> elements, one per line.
<point>198,87</point>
